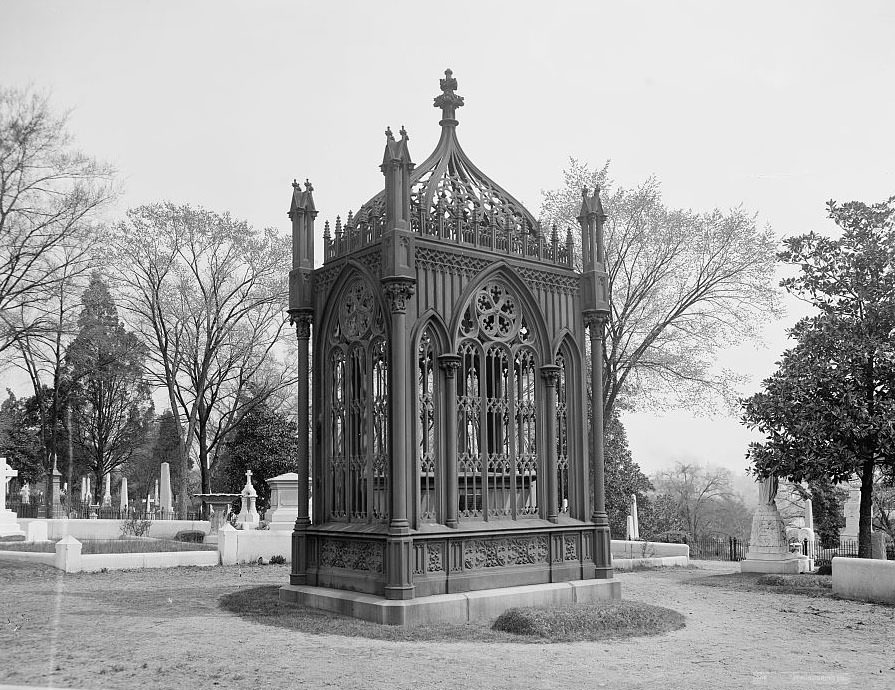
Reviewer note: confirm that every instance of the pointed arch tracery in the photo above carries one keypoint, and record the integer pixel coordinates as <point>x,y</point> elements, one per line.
<point>497,403</point>
<point>357,400</point>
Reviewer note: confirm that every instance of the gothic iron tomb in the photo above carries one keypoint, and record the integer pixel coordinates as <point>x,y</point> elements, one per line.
<point>450,448</point>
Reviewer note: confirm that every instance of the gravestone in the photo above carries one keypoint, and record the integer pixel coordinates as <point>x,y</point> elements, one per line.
<point>283,509</point>
<point>122,504</point>
<point>635,517</point>
<point>768,545</point>
<point>248,516</point>
<point>851,511</point>
<point>107,491</point>
<point>165,499</point>
<point>9,526</point>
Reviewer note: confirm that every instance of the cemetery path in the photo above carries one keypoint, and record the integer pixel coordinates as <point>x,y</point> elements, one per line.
<point>164,629</point>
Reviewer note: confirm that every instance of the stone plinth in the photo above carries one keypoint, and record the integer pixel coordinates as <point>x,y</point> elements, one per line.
<point>485,604</point>
<point>220,509</point>
<point>9,526</point>
<point>768,546</point>
<point>283,509</point>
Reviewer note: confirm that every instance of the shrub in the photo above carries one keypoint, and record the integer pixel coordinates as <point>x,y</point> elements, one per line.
<point>594,621</point>
<point>277,560</point>
<point>192,536</point>
<point>826,569</point>
<point>136,526</point>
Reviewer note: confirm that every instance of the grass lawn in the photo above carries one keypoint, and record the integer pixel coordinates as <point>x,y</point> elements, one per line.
<point>597,621</point>
<point>90,546</point>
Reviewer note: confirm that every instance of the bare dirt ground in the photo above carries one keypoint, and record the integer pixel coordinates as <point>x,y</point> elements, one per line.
<point>165,629</point>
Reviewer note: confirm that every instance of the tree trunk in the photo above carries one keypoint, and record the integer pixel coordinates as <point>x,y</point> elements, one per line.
<point>865,548</point>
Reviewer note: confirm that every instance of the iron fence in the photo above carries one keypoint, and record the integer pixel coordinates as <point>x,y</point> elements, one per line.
<point>35,508</point>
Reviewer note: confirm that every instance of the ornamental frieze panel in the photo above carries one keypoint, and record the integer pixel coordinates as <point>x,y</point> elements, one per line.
<point>352,554</point>
<point>504,551</point>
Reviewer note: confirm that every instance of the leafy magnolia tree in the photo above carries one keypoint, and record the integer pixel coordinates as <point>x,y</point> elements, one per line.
<point>265,442</point>
<point>701,495</point>
<point>106,365</point>
<point>827,411</point>
<point>683,285</point>
<point>827,501</point>
<point>623,478</point>
<point>207,295</point>
<point>49,198</point>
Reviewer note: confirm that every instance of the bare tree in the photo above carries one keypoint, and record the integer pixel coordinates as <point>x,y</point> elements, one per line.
<point>208,294</point>
<point>49,198</point>
<point>683,285</point>
<point>698,492</point>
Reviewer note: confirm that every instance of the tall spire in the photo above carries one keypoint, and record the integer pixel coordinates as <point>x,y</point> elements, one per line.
<point>448,101</point>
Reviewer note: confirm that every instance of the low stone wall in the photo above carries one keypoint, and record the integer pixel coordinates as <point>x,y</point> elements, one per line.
<point>245,546</point>
<point>111,529</point>
<point>647,549</point>
<point>94,562</point>
<point>660,562</point>
<point>864,579</point>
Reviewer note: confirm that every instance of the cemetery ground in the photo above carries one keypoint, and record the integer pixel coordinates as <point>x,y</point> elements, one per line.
<point>198,627</point>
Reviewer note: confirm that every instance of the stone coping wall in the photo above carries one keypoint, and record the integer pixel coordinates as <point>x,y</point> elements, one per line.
<point>111,529</point>
<point>660,562</point>
<point>647,549</point>
<point>864,579</point>
<point>246,546</point>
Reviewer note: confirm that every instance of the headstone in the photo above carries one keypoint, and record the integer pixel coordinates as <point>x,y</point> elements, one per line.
<point>878,545</point>
<point>283,510</point>
<point>9,526</point>
<point>107,492</point>
<point>809,514</point>
<point>56,493</point>
<point>88,496</point>
<point>165,499</point>
<point>155,501</point>
<point>25,493</point>
<point>83,489</point>
<point>852,513</point>
<point>248,516</point>
<point>768,545</point>
<point>37,531</point>
<point>122,504</point>
<point>629,528</point>
<point>636,533</point>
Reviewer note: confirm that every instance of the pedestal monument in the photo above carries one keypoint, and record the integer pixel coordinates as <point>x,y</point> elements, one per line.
<point>9,526</point>
<point>768,546</point>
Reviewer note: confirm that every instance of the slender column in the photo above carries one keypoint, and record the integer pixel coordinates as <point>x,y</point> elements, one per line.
<point>299,538</point>
<point>550,372</point>
<point>596,321</point>
<point>450,364</point>
<point>399,583</point>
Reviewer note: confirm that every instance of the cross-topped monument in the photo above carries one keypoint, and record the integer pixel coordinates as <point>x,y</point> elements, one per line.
<point>8,525</point>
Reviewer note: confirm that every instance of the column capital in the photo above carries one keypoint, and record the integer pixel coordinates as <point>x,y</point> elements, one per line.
<point>595,321</point>
<point>302,321</point>
<point>450,363</point>
<point>397,293</point>
<point>550,373</point>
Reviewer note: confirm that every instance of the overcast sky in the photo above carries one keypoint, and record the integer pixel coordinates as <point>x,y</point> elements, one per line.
<point>774,106</point>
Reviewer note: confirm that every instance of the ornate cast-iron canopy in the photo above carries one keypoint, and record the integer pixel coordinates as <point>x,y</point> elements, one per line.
<point>451,198</point>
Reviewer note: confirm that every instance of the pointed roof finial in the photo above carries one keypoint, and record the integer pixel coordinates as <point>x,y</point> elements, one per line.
<point>388,134</point>
<point>308,186</point>
<point>448,101</point>
<point>403,133</point>
<point>295,184</point>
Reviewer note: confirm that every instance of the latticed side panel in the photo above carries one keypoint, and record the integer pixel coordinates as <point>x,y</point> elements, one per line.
<point>338,425</point>
<point>426,428</point>
<point>497,432</point>
<point>379,469</point>
<point>562,437</point>
<point>526,409</point>
<point>469,426</point>
<point>357,440</point>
